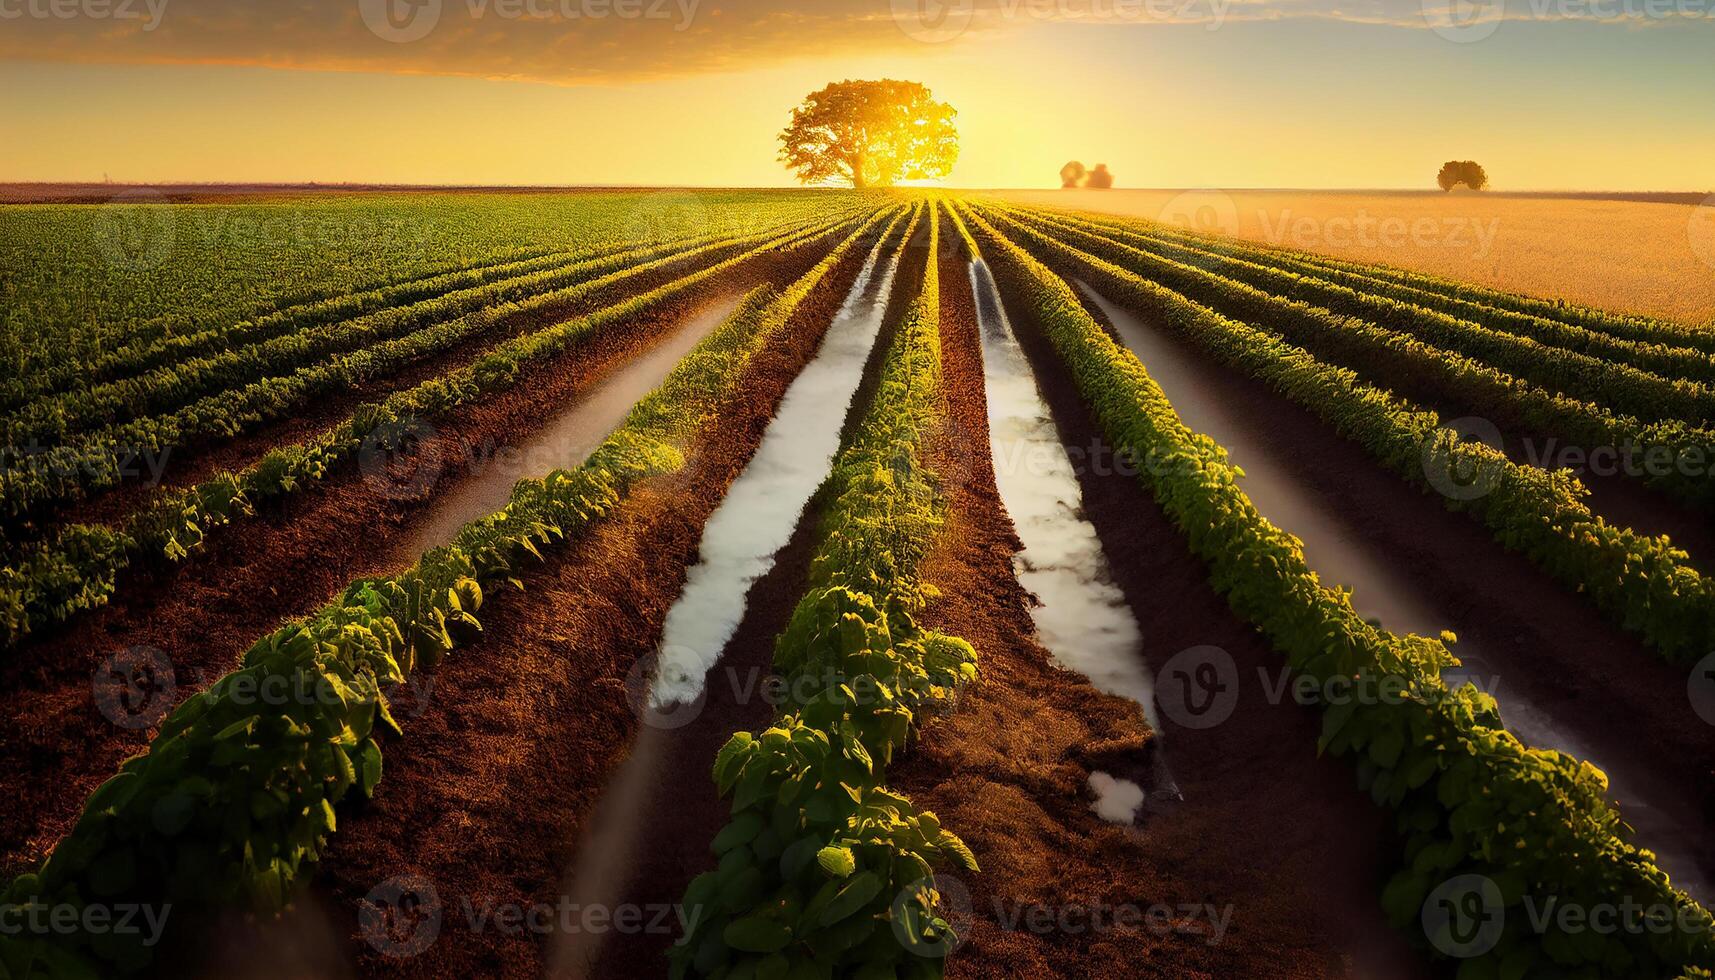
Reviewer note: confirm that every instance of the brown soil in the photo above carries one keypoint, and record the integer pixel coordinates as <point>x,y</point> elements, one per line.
<point>1267,829</point>
<point>494,785</point>
<point>681,812</point>
<point>1544,642</point>
<point>186,466</point>
<point>56,745</point>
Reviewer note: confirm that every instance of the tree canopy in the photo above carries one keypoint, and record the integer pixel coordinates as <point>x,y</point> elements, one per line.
<point>1467,172</point>
<point>870,134</point>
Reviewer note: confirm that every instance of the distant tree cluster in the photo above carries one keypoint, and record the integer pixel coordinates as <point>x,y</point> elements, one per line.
<point>1467,172</point>
<point>1074,175</point>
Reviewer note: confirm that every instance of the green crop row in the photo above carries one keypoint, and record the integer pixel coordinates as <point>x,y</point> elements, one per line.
<point>78,569</point>
<point>1659,354</point>
<point>1618,386</point>
<point>58,417</point>
<point>1648,331</point>
<point>82,281</point>
<point>1682,456</point>
<point>823,871</point>
<point>1643,584</point>
<point>238,794</point>
<point>1470,799</point>
<point>143,353</point>
<point>283,349</point>
<point>97,460</point>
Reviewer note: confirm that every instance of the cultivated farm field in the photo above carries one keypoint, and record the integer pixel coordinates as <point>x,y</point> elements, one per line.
<point>832,584</point>
<point>1645,254</point>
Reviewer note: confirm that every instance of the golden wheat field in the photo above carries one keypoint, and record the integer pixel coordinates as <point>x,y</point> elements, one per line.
<point>1654,256</point>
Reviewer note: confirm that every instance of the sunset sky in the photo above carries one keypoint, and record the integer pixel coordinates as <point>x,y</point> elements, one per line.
<point>1547,94</point>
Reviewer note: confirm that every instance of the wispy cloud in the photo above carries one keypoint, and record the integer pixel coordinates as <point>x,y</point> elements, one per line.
<point>610,41</point>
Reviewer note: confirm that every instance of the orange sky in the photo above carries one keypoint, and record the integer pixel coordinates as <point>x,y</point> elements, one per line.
<point>1167,92</point>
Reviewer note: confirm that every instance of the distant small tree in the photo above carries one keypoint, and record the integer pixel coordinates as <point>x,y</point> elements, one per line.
<point>1072,174</point>
<point>870,134</point>
<point>1100,178</point>
<point>1467,172</point>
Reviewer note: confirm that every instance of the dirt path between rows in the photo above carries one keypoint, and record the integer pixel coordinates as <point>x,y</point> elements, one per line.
<point>188,624</point>
<point>492,788</point>
<point>1277,844</point>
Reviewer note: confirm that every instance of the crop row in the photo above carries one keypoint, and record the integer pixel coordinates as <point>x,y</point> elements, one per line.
<point>237,795</point>
<point>1464,297</point>
<point>81,281</point>
<point>1643,584</point>
<point>823,871</point>
<point>1616,385</point>
<point>97,460</point>
<point>148,349</point>
<point>79,568</point>
<point>1469,797</point>
<point>1680,454</point>
<point>174,385</point>
<point>1659,355</point>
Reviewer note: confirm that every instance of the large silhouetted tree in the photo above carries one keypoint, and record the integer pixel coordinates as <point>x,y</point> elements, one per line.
<point>870,134</point>
<point>1100,178</point>
<point>1072,174</point>
<point>1467,172</point>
